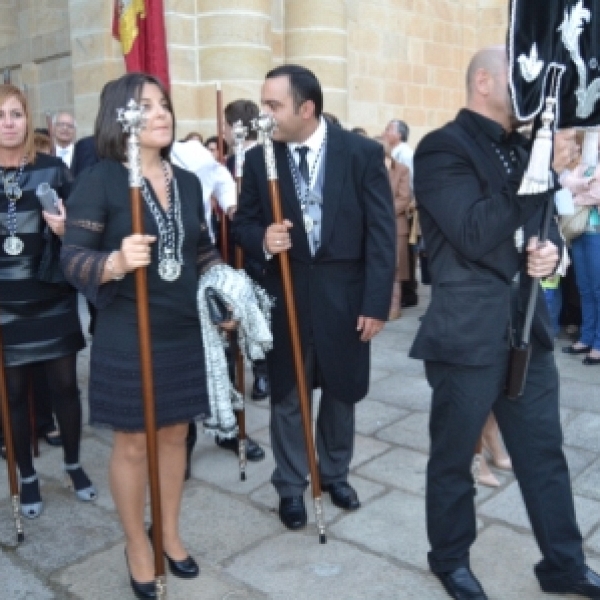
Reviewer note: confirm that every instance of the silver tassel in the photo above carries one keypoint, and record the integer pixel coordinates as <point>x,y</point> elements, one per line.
<point>538,177</point>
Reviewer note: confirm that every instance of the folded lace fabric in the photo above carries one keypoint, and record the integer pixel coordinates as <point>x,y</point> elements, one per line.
<point>251,307</point>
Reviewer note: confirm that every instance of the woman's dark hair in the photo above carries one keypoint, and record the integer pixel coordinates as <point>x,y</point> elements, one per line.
<point>108,133</point>
<point>213,139</point>
<point>304,85</point>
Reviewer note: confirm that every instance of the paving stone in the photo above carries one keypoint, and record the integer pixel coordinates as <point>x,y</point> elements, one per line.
<point>582,431</point>
<point>67,531</point>
<point>299,569</point>
<point>588,483</point>
<point>216,525</point>
<point>18,583</point>
<point>578,459</point>
<point>580,388</point>
<point>508,506</point>
<point>366,490</point>
<point>400,468</point>
<point>392,526</point>
<point>372,416</point>
<point>593,542</point>
<point>221,467</point>
<point>365,449</point>
<point>503,561</point>
<point>104,575</point>
<point>411,432</point>
<point>405,389</point>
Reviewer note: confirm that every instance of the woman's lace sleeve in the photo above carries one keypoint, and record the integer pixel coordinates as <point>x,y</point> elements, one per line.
<point>83,253</point>
<point>83,269</point>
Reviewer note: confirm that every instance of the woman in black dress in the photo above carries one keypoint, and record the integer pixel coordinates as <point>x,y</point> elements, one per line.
<point>38,308</point>
<point>99,256</point>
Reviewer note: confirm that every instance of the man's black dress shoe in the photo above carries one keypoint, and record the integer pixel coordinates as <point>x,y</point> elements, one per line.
<point>261,388</point>
<point>587,585</point>
<point>409,301</point>
<point>254,452</point>
<point>292,512</point>
<point>343,495</point>
<point>572,350</point>
<point>461,584</point>
<point>184,569</point>
<point>144,591</point>
<point>590,360</point>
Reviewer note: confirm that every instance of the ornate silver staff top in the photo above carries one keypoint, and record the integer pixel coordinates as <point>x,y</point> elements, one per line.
<point>133,121</point>
<point>265,125</point>
<point>239,137</point>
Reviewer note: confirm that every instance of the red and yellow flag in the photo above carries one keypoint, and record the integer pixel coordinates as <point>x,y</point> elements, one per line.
<point>140,27</point>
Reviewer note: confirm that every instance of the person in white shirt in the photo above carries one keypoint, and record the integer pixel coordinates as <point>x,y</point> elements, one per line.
<point>215,178</point>
<point>64,130</point>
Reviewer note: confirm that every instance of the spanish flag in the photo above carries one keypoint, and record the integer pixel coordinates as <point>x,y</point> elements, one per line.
<point>140,27</point>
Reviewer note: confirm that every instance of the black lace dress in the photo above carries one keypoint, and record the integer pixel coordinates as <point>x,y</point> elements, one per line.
<point>99,218</point>
<point>38,308</point>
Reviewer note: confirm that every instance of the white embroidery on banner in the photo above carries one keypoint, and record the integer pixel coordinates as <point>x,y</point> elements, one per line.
<point>571,29</point>
<point>530,65</point>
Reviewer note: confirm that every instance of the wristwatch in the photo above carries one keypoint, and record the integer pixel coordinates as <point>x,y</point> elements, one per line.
<point>111,267</point>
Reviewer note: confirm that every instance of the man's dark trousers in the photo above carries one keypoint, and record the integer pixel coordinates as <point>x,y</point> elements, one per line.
<point>463,396</point>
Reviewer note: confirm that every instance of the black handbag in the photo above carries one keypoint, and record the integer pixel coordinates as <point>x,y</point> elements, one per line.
<point>218,310</point>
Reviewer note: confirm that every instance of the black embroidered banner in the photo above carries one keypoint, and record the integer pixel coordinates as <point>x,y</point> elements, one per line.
<point>556,42</point>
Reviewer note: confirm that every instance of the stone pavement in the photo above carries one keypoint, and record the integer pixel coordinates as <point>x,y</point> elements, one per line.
<point>75,550</point>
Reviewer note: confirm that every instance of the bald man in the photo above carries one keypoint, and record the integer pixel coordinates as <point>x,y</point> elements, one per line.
<point>482,243</point>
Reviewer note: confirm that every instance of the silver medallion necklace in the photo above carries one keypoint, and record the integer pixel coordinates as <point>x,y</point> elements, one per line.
<point>13,245</point>
<point>303,198</point>
<point>170,228</point>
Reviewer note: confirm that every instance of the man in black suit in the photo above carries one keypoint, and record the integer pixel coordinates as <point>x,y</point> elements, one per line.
<point>339,231</point>
<point>84,155</point>
<point>482,242</point>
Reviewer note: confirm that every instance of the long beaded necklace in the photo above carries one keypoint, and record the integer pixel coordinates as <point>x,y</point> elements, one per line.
<point>303,198</point>
<point>170,229</point>
<point>13,245</point>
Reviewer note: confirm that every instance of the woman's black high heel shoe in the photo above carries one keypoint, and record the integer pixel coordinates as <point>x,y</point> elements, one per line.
<point>184,569</point>
<point>144,591</point>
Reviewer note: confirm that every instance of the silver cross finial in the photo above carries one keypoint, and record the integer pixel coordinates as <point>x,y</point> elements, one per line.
<point>132,120</point>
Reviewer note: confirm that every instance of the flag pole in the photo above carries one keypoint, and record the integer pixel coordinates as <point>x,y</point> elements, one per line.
<point>132,120</point>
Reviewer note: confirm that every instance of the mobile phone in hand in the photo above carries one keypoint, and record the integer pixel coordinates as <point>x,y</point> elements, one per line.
<point>48,198</point>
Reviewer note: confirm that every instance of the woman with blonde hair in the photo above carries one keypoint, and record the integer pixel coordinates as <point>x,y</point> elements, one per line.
<point>38,308</point>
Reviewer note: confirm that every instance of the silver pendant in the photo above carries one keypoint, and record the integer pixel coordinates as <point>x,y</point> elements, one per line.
<point>169,269</point>
<point>13,245</point>
<point>308,223</point>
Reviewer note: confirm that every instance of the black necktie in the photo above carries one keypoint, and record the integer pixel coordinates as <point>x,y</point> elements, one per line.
<point>303,164</point>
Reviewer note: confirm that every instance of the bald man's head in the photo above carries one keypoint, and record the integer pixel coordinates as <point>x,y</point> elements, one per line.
<point>487,86</point>
<point>491,59</point>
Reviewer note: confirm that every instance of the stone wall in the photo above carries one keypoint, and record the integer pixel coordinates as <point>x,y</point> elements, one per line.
<point>376,59</point>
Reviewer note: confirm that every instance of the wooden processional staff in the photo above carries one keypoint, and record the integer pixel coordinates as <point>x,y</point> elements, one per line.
<point>11,463</point>
<point>265,124</point>
<point>239,135</point>
<point>132,120</point>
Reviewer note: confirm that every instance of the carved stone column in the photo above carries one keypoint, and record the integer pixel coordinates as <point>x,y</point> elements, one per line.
<point>316,37</point>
